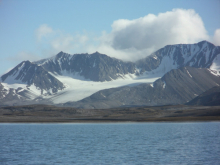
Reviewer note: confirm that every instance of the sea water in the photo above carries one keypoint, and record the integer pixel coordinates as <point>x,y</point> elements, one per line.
<point>110,143</point>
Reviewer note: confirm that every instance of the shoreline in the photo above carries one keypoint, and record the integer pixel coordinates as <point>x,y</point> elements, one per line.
<point>167,119</point>
<point>52,114</point>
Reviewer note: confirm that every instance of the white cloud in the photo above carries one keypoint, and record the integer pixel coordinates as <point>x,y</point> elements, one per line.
<point>130,39</point>
<point>62,42</point>
<point>52,41</point>
<point>23,56</point>
<point>43,31</point>
<point>133,39</point>
<point>216,37</point>
<point>67,42</point>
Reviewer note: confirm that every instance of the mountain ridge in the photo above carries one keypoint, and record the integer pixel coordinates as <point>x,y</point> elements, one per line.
<point>44,79</point>
<point>95,66</point>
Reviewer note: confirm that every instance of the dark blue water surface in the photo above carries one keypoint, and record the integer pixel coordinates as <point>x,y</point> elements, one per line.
<point>115,143</point>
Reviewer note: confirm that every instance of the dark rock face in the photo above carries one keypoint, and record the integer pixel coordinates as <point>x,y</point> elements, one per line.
<point>176,87</point>
<point>210,97</point>
<point>96,66</point>
<point>32,74</point>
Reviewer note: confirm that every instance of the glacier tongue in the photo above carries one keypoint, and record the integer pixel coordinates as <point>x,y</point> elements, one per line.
<point>78,89</point>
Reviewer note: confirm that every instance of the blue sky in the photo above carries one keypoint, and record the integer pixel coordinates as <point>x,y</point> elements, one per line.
<point>126,29</point>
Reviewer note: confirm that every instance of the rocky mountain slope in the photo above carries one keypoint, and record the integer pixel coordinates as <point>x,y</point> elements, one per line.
<point>32,74</point>
<point>95,67</point>
<point>210,97</point>
<point>175,87</point>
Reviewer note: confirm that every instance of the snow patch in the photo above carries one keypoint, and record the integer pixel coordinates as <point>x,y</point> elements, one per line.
<point>214,72</point>
<point>103,95</point>
<point>164,84</point>
<point>188,73</point>
<point>94,64</point>
<point>20,90</point>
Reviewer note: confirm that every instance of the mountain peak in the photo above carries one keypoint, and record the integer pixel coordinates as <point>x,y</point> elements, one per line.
<point>96,53</point>
<point>205,42</point>
<point>61,54</point>
<point>26,62</point>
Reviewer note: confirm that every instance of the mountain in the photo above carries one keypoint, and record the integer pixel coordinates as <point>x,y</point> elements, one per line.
<point>100,67</point>
<point>32,74</point>
<point>210,97</point>
<point>199,55</point>
<point>95,67</point>
<point>66,78</point>
<point>175,87</point>
<point>19,96</point>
